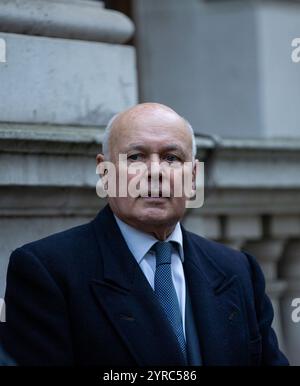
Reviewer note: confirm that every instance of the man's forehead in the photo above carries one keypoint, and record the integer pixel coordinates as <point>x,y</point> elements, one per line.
<point>148,124</point>
<point>150,144</point>
<point>151,117</point>
<point>151,136</point>
<point>148,108</point>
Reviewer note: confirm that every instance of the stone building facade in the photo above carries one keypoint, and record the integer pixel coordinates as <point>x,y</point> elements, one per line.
<point>225,65</point>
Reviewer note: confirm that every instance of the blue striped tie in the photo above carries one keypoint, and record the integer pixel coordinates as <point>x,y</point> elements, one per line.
<point>165,290</point>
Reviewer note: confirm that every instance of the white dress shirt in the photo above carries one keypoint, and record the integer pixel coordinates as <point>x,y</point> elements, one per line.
<point>140,243</point>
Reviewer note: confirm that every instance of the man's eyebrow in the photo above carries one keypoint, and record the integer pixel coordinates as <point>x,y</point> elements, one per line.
<point>135,146</point>
<point>142,147</point>
<point>172,147</point>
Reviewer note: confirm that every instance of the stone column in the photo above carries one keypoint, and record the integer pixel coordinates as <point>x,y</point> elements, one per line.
<point>67,71</point>
<point>226,65</point>
<point>236,228</point>
<point>203,225</point>
<point>77,71</point>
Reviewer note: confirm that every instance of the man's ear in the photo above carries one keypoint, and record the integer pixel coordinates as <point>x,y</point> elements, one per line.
<point>99,160</point>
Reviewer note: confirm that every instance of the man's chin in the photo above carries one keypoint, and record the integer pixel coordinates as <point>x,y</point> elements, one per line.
<point>154,201</point>
<point>156,205</point>
<point>155,210</point>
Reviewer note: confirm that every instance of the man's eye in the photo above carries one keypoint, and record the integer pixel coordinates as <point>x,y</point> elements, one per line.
<point>171,158</point>
<point>135,157</point>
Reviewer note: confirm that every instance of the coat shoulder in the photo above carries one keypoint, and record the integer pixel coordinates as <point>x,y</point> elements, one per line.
<point>60,250</point>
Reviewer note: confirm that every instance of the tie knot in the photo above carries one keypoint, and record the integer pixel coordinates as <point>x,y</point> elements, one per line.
<point>163,251</point>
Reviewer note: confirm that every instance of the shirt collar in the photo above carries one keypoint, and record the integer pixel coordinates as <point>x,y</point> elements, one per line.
<point>140,242</point>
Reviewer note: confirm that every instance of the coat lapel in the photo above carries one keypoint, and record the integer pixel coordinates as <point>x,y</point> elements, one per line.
<point>217,307</point>
<point>123,292</point>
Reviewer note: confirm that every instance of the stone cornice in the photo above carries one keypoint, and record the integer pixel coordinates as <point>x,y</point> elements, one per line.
<point>50,139</point>
<point>244,176</point>
<point>81,135</point>
<point>262,163</point>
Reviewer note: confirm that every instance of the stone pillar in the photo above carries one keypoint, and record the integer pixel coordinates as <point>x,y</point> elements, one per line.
<point>202,225</point>
<point>225,65</point>
<point>67,71</point>
<point>236,228</point>
<point>290,272</point>
<point>77,71</point>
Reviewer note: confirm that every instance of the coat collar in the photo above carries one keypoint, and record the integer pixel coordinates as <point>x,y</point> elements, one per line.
<point>122,267</point>
<point>139,243</point>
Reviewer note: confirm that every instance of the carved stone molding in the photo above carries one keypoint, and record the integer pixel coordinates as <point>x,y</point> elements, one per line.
<point>82,20</point>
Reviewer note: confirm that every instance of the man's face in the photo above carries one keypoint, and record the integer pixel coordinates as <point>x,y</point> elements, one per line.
<point>158,139</point>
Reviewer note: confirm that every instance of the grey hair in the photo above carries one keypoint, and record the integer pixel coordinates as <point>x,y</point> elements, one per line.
<point>107,133</point>
<point>106,137</point>
<point>194,145</point>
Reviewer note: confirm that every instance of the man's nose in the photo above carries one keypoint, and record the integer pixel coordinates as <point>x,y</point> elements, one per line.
<point>154,158</point>
<point>154,168</point>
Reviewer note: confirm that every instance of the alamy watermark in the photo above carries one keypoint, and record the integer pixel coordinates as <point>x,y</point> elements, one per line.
<point>296,52</point>
<point>2,311</point>
<point>296,312</point>
<point>2,50</point>
<point>156,181</point>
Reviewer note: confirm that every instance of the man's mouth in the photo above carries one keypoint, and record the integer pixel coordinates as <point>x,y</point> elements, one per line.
<point>154,195</point>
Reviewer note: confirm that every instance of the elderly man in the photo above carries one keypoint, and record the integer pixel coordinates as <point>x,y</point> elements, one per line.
<point>133,287</point>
